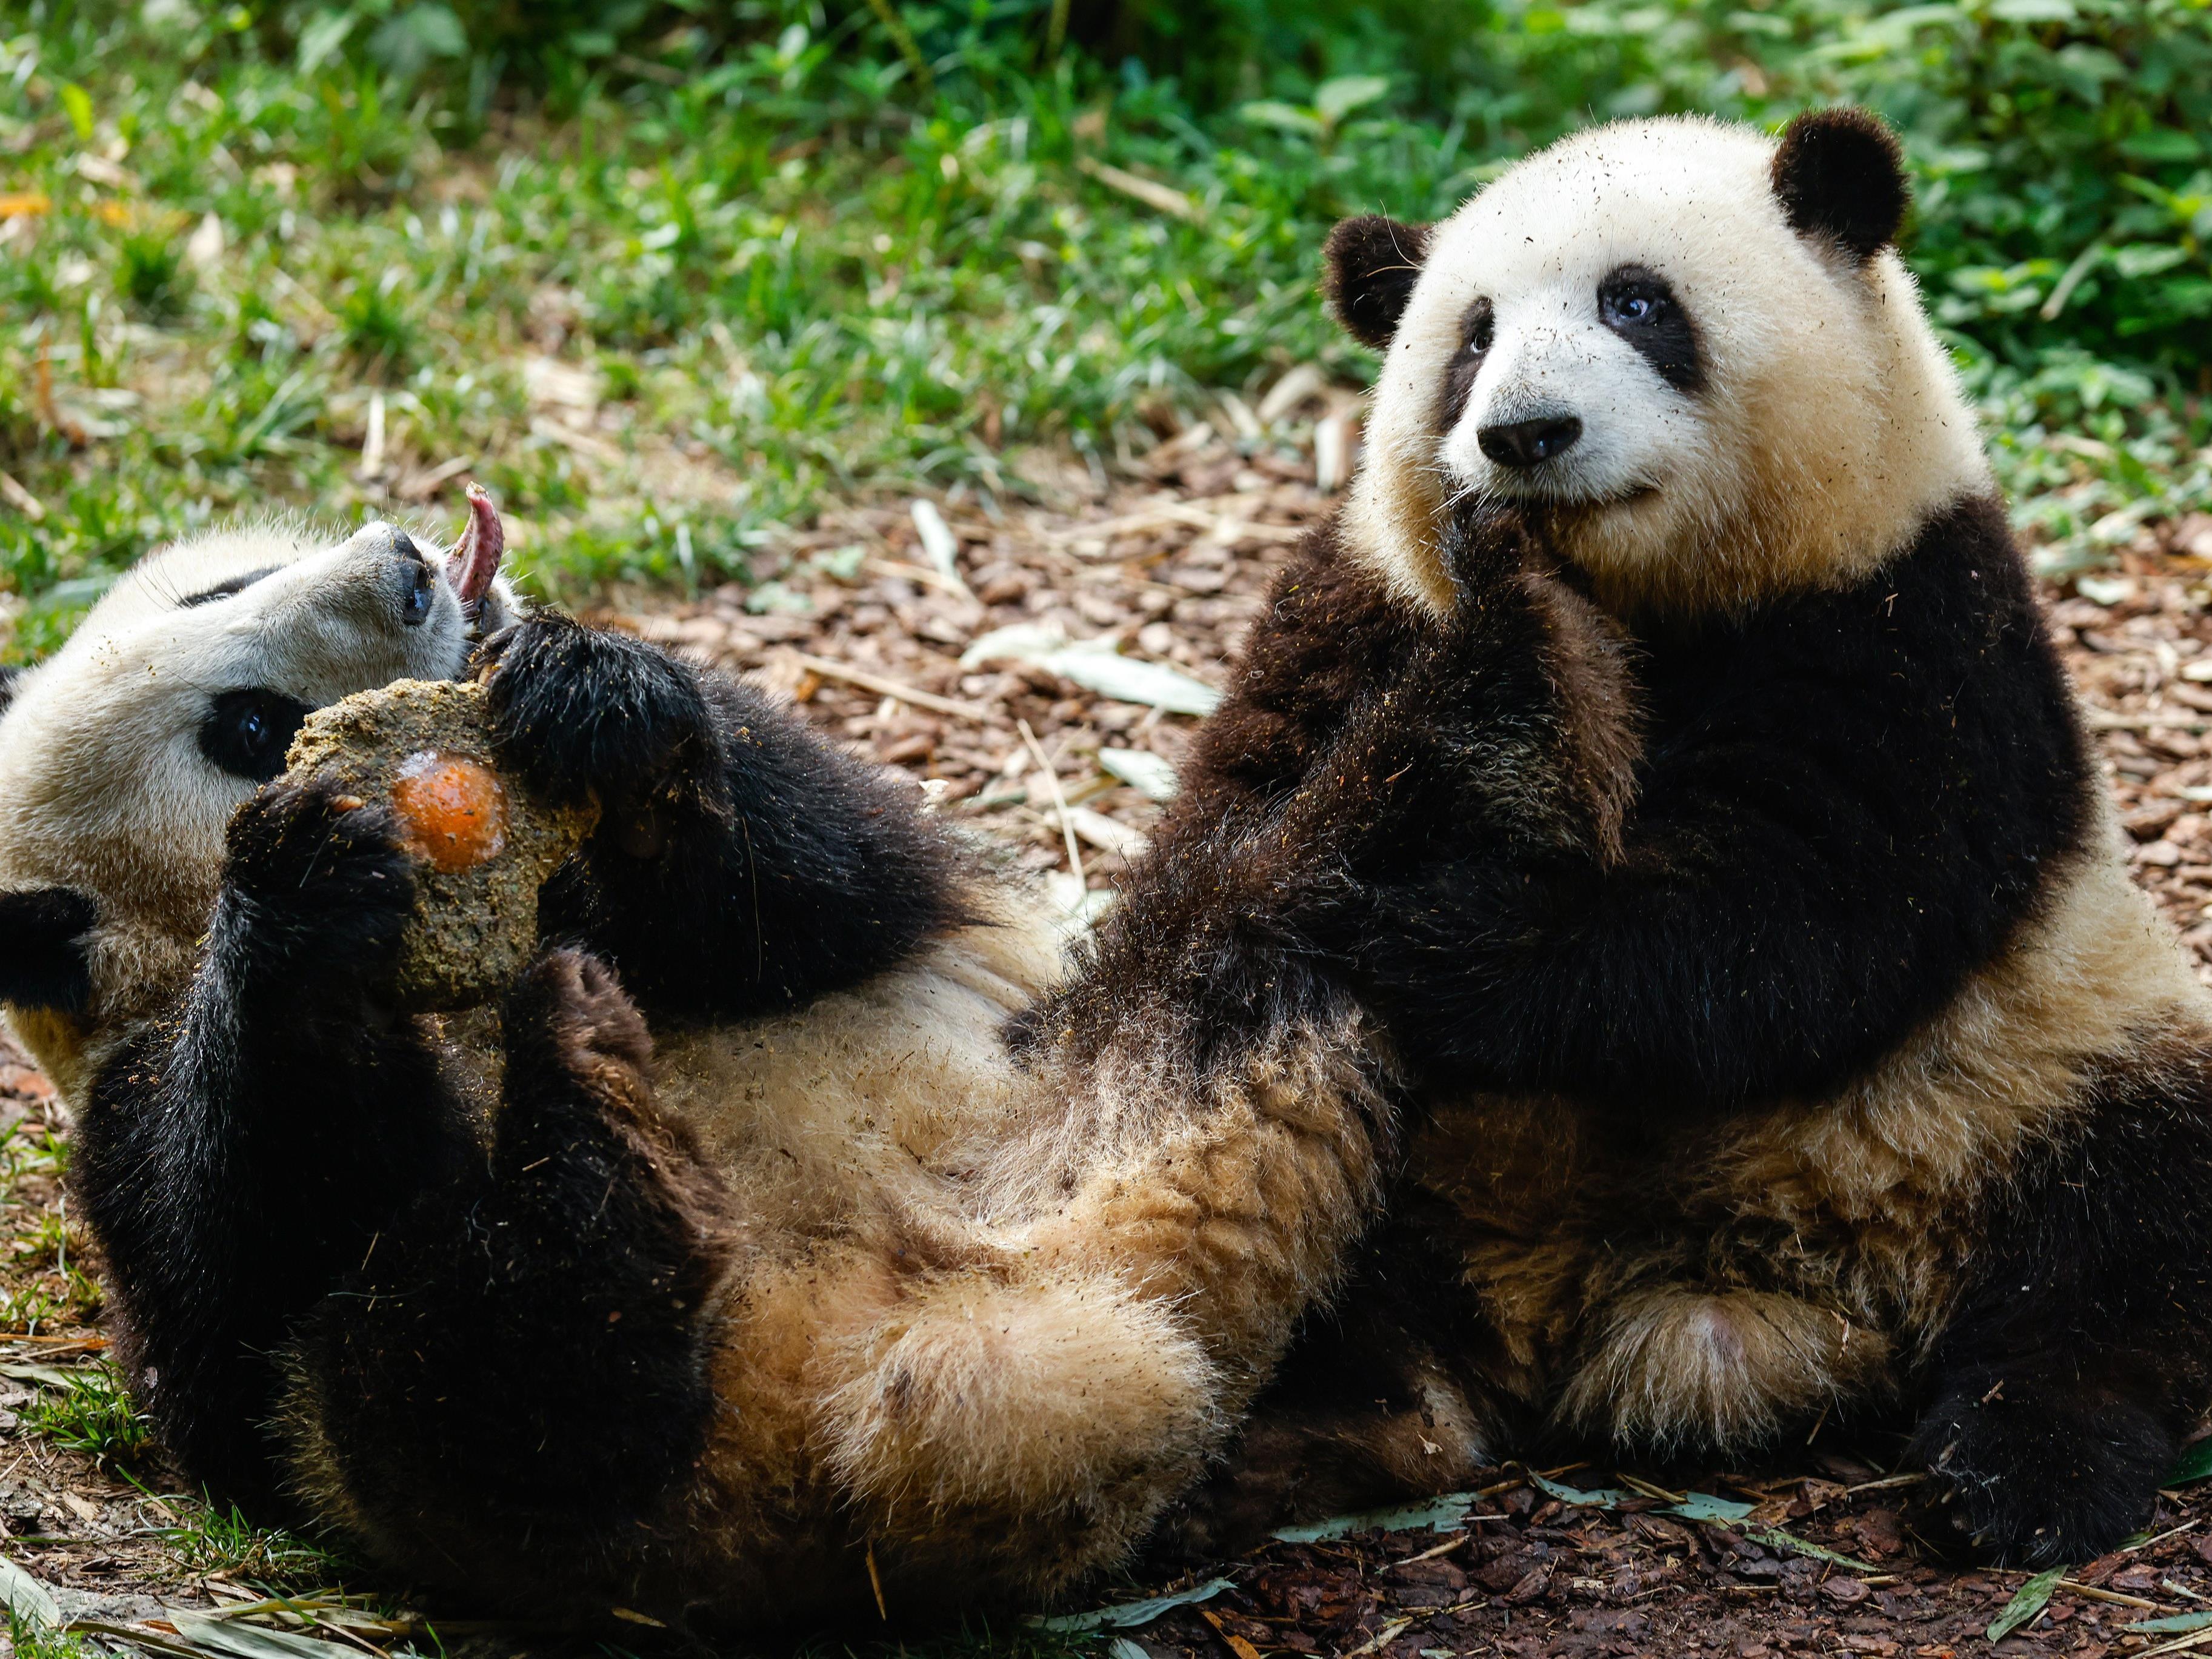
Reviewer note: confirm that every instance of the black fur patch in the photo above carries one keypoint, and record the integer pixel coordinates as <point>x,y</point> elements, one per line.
<point>515,1387</point>
<point>1640,306</point>
<point>2081,1357</point>
<point>1199,929</point>
<point>223,590</point>
<point>247,731</point>
<point>742,863</point>
<point>1848,801</point>
<point>1840,174</point>
<point>1476,330</point>
<point>42,962</point>
<point>1369,267</point>
<point>237,1163</point>
<point>11,677</point>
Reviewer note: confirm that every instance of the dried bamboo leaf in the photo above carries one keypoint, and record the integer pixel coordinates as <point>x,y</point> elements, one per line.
<point>1142,771</point>
<point>1438,1515</point>
<point>234,1640</point>
<point>27,1598</point>
<point>1125,1615</point>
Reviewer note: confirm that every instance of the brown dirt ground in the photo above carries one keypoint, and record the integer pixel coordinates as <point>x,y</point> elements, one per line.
<point>1172,559</point>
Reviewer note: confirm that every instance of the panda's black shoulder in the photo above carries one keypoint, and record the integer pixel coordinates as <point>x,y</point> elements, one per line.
<point>1931,688</point>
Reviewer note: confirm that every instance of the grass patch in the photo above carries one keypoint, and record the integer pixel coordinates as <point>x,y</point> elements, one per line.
<point>92,1413</point>
<point>29,1639</point>
<point>691,278</point>
<point>207,1538</point>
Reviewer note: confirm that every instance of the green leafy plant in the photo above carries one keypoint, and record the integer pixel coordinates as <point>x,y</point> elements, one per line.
<point>92,1413</point>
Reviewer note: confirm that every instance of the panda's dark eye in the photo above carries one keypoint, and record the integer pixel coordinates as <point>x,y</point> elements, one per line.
<point>246,731</point>
<point>1637,305</point>
<point>1481,327</point>
<point>1632,306</point>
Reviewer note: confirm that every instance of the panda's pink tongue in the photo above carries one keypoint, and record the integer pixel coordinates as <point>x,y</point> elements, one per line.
<point>475,558</point>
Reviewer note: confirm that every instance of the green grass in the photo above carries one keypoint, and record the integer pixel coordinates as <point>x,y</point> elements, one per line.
<point>92,1414</point>
<point>794,274</point>
<point>28,1639</point>
<point>207,1538</point>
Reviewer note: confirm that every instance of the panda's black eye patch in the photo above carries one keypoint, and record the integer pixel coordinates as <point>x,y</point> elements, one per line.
<point>1637,305</point>
<point>1477,330</point>
<point>247,731</point>
<point>223,590</point>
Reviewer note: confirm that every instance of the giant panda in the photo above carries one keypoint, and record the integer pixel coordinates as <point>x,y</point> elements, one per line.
<point>1663,769</point>
<point>729,1271</point>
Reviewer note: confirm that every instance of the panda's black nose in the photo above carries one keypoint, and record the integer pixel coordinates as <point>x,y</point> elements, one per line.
<point>1527,443</point>
<point>403,545</point>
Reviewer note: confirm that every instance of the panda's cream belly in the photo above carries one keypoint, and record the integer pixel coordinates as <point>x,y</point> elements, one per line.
<point>883,1095</point>
<point>1710,1288</point>
<point>903,1363</point>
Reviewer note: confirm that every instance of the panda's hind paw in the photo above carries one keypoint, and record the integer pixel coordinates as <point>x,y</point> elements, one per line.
<point>581,712</point>
<point>569,1012</point>
<point>2038,1483</point>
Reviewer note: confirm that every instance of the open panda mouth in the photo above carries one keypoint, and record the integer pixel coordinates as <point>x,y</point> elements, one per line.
<point>474,560</point>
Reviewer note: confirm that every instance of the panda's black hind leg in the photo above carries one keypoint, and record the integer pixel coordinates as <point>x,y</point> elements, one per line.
<point>516,1386</point>
<point>2081,1359</point>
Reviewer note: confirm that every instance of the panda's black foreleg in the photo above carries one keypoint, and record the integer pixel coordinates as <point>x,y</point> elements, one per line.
<point>237,1163</point>
<point>2082,1359</point>
<point>740,864</point>
<point>517,1385</point>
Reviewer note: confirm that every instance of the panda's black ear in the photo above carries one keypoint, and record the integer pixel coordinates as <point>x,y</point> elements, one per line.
<point>1840,173</point>
<point>42,958</point>
<point>1370,266</point>
<point>9,677</point>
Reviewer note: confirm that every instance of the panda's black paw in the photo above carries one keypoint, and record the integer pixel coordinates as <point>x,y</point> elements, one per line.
<point>2030,1471</point>
<point>318,881</point>
<point>581,713</point>
<point>569,1017</point>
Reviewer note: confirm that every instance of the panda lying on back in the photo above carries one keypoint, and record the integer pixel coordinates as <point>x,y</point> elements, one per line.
<point>1666,745</point>
<point>729,1270</point>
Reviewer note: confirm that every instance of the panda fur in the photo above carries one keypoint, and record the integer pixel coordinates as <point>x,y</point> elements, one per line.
<point>730,1270</point>
<point>1665,752</point>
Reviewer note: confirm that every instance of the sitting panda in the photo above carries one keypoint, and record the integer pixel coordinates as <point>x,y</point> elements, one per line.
<point>1665,753</point>
<point>729,1271</point>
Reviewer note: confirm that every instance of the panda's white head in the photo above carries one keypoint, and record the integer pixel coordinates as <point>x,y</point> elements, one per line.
<point>1689,349</point>
<point>124,754</point>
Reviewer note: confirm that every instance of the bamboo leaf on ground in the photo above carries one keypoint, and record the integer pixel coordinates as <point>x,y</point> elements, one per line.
<point>2028,1603</point>
<point>1125,1615</point>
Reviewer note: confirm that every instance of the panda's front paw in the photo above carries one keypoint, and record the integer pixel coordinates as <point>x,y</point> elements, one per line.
<point>318,880</point>
<point>2028,1470</point>
<point>581,712</point>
